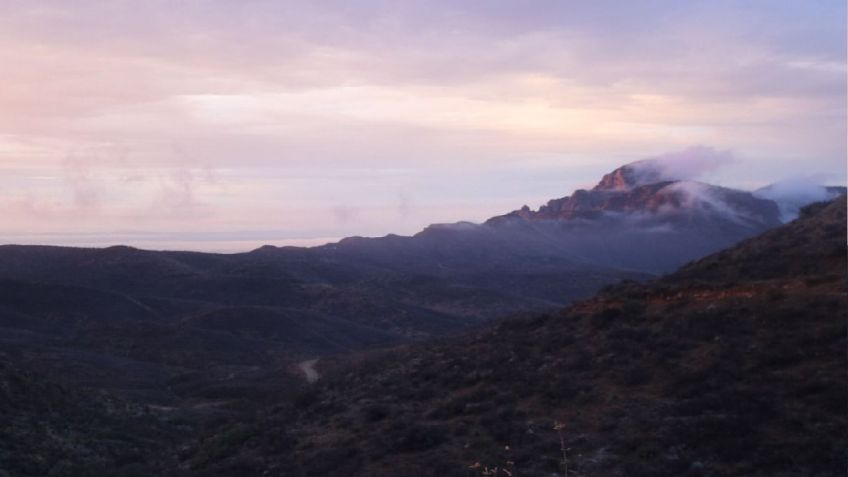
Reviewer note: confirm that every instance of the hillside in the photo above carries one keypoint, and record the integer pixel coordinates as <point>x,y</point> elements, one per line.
<point>735,365</point>
<point>222,333</point>
<point>51,428</point>
<point>136,321</point>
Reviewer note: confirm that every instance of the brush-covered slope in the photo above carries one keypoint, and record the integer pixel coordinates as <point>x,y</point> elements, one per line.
<point>53,429</point>
<point>735,365</point>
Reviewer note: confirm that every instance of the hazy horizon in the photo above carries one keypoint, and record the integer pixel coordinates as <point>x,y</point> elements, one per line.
<point>223,126</point>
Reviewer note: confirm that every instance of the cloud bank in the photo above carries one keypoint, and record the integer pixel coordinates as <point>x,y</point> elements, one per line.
<point>685,165</point>
<point>469,108</point>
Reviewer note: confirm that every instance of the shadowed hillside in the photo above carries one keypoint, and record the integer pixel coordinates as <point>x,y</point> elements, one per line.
<point>51,428</point>
<point>735,365</point>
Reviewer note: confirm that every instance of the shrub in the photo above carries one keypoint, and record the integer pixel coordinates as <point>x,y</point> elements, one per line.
<point>604,318</point>
<point>636,376</point>
<point>410,437</point>
<point>376,412</point>
<point>558,389</point>
<point>341,460</point>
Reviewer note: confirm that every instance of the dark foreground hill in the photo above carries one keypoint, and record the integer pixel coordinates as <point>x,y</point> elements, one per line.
<point>734,365</point>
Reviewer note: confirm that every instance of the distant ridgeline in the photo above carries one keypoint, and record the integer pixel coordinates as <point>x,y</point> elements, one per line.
<point>91,314</point>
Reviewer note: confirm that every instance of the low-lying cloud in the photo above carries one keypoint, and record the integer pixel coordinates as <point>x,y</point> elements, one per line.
<point>688,164</point>
<point>793,193</point>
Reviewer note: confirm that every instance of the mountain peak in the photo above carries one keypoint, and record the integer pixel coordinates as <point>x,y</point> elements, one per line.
<point>631,175</point>
<point>624,193</point>
<point>688,164</point>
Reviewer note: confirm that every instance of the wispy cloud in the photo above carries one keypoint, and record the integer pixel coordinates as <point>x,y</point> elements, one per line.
<point>688,164</point>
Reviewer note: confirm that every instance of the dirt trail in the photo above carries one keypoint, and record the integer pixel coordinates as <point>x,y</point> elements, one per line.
<point>308,368</point>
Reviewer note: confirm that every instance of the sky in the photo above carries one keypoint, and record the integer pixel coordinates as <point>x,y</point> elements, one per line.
<point>222,125</point>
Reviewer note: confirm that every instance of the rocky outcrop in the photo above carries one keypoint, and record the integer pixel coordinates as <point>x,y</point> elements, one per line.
<point>629,191</point>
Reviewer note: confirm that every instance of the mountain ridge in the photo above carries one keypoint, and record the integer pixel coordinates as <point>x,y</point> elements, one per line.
<point>707,371</point>
<point>275,305</point>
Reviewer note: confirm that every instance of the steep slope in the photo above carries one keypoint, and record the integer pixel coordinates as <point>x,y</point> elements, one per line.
<point>735,365</point>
